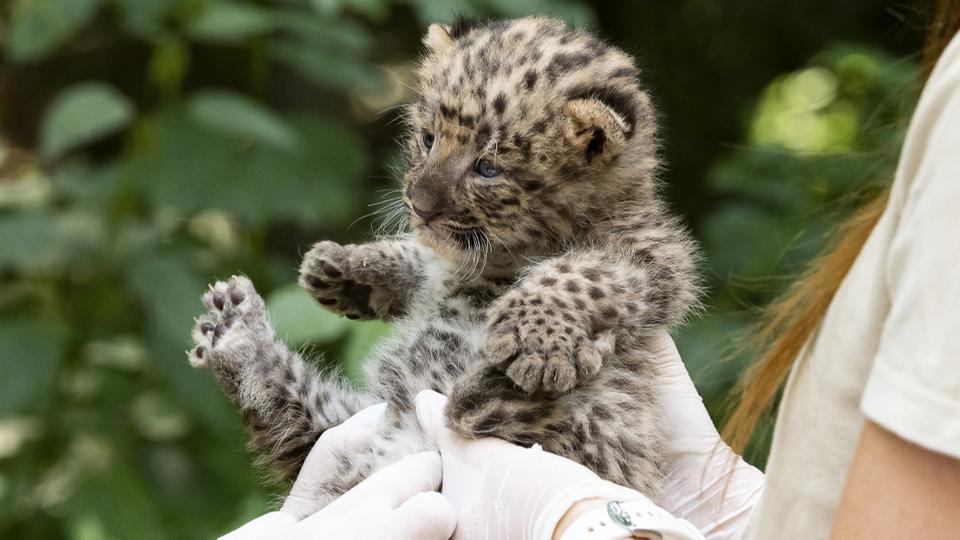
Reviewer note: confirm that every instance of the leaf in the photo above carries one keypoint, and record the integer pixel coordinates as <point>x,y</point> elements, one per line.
<point>29,356</point>
<point>334,36</point>
<point>145,18</point>
<point>374,9</point>
<point>85,183</point>
<point>228,22</point>
<point>81,114</point>
<point>329,70</point>
<point>24,237</point>
<point>364,338</point>
<point>39,26</point>
<point>241,116</point>
<point>299,320</point>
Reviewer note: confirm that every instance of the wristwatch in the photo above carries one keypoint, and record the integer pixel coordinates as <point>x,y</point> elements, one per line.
<point>638,519</point>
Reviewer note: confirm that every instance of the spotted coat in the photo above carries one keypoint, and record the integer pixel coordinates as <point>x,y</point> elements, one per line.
<point>539,261</point>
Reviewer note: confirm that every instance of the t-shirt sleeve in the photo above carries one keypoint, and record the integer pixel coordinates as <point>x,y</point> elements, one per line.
<point>913,388</point>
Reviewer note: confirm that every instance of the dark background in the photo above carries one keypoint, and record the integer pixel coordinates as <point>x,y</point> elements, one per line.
<point>148,147</point>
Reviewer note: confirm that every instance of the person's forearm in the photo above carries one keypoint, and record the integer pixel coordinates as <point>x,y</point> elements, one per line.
<point>896,489</point>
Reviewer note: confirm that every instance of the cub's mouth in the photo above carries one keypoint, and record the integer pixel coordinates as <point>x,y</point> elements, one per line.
<point>449,238</point>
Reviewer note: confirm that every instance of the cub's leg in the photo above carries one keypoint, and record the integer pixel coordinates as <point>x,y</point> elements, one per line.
<point>610,423</point>
<point>285,402</point>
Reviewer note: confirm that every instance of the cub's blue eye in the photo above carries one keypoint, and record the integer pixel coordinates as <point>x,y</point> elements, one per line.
<point>427,139</point>
<point>487,169</point>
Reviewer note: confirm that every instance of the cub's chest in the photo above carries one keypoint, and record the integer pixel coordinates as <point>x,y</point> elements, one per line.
<point>454,325</point>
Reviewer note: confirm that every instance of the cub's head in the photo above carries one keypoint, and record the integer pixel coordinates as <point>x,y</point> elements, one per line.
<point>524,133</point>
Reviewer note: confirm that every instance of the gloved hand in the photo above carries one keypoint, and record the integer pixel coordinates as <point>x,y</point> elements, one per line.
<point>398,502</point>
<point>504,491</point>
<point>707,483</point>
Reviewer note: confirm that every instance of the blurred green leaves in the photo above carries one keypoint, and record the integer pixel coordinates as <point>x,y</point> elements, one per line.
<point>37,27</point>
<point>299,320</point>
<point>29,357</point>
<point>83,113</point>
<point>230,22</point>
<point>234,114</point>
<point>819,139</point>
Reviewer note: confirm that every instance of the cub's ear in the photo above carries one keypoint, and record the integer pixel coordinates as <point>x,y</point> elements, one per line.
<point>438,38</point>
<point>596,129</point>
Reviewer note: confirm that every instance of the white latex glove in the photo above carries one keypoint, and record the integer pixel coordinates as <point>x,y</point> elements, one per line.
<point>398,502</point>
<point>707,483</point>
<point>502,491</point>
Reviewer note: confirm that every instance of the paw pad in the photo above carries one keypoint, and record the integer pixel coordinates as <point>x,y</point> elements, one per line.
<point>231,304</point>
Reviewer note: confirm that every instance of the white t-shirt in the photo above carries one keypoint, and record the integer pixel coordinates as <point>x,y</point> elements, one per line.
<point>889,346</point>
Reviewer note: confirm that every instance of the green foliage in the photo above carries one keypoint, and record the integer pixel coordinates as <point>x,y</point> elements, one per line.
<point>39,26</point>
<point>299,320</point>
<point>820,139</point>
<point>162,144</point>
<point>246,119</point>
<point>81,114</point>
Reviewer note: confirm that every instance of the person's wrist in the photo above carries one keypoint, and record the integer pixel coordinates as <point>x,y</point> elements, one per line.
<point>576,510</point>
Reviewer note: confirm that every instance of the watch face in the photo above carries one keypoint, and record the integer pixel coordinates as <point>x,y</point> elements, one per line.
<point>619,515</point>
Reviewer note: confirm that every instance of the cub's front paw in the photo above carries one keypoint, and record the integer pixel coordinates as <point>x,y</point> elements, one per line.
<point>328,274</point>
<point>228,336</point>
<point>543,344</point>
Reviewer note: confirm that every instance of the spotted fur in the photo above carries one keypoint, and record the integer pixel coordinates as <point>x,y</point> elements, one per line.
<point>539,262</point>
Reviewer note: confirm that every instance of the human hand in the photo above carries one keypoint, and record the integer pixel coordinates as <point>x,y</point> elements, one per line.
<point>706,482</point>
<point>398,502</point>
<point>502,491</point>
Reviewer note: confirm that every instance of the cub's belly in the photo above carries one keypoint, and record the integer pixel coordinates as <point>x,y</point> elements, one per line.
<point>426,356</point>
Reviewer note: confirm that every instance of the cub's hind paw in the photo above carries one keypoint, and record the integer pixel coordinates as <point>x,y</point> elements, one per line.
<point>544,346</point>
<point>479,401</point>
<point>235,322</point>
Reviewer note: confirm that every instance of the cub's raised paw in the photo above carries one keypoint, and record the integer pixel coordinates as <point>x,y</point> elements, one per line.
<point>326,274</point>
<point>544,346</point>
<point>358,281</point>
<point>233,328</point>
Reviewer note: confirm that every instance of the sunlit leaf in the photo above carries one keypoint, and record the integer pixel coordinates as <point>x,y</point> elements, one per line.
<point>37,27</point>
<point>81,114</point>
<point>300,320</point>
<point>238,115</point>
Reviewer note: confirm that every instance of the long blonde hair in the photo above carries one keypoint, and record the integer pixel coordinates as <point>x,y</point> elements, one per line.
<point>788,322</point>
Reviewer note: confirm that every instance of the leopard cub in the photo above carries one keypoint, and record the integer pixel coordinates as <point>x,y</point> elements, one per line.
<point>539,262</point>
